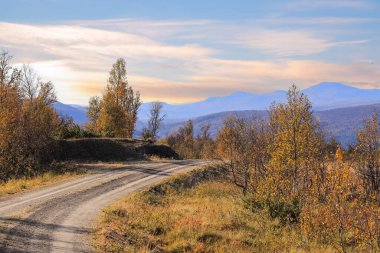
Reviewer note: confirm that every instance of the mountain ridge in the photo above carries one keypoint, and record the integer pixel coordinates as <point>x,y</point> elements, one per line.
<point>341,123</point>
<point>324,96</point>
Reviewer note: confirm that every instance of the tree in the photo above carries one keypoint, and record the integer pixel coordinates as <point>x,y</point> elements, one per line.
<point>28,123</point>
<point>342,219</point>
<point>297,140</point>
<point>32,88</point>
<point>115,114</point>
<point>368,156</point>
<point>183,140</point>
<point>155,121</point>
<point>9,76</point>
<point>241,144</point>
<point>112,120</point>
<point>30,83</point>
<point>10,113</point>
<point>93,113</point>
<point>204,144</point>
<point>46,93</point>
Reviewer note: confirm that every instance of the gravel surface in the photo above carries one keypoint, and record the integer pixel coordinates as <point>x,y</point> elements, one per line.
<point>59,218</point>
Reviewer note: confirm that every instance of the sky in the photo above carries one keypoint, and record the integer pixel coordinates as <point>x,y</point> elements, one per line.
<point>185,51</point>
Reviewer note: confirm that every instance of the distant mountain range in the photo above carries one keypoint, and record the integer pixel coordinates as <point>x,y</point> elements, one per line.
<point>77,112</point>
<point>324,97</point>
<point>341,123</point>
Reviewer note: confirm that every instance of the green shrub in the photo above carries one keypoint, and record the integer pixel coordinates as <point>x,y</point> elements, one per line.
<point>287,213</point>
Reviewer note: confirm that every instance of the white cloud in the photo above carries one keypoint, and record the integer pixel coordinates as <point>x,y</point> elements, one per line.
<point>77,56</point>
<point>90,46</point>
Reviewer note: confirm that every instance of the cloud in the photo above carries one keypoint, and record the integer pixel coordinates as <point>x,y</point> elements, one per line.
<point>285,43</point>
<point>328,4</point>
<point>319,21</point>
<point>289,43</point>
<point>181,61</point>
<point>273,75</point>
<point>149,28</point>
<point>218,77</point>
<point>90,46</point>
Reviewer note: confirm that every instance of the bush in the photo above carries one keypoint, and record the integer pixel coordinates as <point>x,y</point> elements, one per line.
<point>285,212</point>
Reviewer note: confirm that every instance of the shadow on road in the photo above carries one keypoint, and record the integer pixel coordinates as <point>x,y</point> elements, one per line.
<point>28,235</point>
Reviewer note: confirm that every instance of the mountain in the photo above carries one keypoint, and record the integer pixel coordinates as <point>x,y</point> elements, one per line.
<point>336,95</point>
<point>341,123</point>
<point>323,96</point>
<point>77,112</point>
<point>236,101</point>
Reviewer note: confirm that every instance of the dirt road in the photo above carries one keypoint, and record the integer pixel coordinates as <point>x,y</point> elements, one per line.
<point>59,218</point>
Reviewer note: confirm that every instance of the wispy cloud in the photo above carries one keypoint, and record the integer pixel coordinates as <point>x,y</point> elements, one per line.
<point>319,21</point>
<point>289,43</point>
<point>181,61</point>
<point>285,43</point>
<point>327,4</point>
<point>75,44</point>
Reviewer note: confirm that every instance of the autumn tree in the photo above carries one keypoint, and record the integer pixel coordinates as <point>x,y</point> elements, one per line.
<point>241,144</point>
<point>93,112</point>
<point>296,143</point>
<point>204,145</point>
<point>182,140</point>
<point>10,113</point>
<point>368,156</point>
<point>28,123</point>
<point>115,114</point>
<point>341,218</point>
<point>155,121</point>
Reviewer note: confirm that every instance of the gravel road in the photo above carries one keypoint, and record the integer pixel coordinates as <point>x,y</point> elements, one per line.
<point>59,218</point>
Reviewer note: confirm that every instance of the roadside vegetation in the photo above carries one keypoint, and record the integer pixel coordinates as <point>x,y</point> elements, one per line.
<point>14,186</point>
<point>188,146</point>
<point>202,211</point>
<point>289,186</point>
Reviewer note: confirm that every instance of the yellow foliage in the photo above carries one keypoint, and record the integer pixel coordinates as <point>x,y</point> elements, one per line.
<point>338,216</point>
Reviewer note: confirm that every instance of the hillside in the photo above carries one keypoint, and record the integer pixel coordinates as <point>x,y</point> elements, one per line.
<point>341,123</point>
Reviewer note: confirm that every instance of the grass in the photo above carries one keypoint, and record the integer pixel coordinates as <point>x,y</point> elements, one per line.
<point>206,216</point>
<point>49,178</point>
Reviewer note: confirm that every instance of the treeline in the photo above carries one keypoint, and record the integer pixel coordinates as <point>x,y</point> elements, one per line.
<point>30,127</point>
<point>285,166</point>
<point>187,146</point>
<point>28,123</point>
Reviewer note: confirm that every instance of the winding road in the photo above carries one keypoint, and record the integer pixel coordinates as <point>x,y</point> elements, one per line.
<point>59,218</point>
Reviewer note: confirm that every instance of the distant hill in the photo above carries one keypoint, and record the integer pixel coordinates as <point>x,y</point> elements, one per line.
<point>323,96</point>
<point>326,96</point>
<point>341,123</point>
<point>77,112</point>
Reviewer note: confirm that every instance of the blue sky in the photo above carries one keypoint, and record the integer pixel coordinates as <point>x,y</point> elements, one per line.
<point>181,51</point>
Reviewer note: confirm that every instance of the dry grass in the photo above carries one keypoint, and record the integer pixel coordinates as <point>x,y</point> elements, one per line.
<point>209,217</point>
<point>49,178</point>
